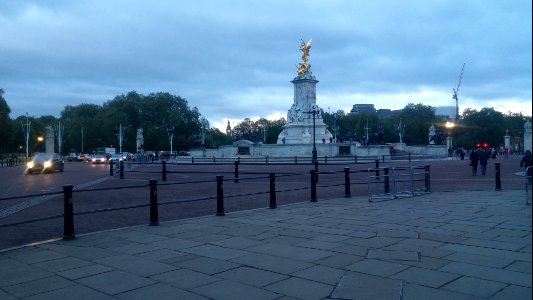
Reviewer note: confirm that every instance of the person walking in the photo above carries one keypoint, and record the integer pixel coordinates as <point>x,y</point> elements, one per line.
<point>526,162</point>
<point>484,156</point>
<point>474,158</point>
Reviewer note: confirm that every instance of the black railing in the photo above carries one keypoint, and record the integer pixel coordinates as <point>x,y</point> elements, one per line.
<point>153,203</point>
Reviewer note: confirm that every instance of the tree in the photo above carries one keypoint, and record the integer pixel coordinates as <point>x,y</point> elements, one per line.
<point>485,126</point>
<point>417,119</point>
<point>5,125</point>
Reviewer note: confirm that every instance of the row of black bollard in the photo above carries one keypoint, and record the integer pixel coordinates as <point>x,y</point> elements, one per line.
<point>121,169</point>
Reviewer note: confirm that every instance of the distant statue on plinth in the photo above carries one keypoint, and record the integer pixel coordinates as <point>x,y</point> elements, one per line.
<point>49,139</point>
<point>432,135</point>
<point>140,139</point>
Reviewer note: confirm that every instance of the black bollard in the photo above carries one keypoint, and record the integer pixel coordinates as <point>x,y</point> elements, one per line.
<point>272,178</point>
<point>154,212</point>
<point>347,192</point>
<point>313,186</point>
<point>266,160</point>
<point>296,160</point>
<point>68,217</point>
<point>220,196</point>
<point>427,179</point>
<point>498,179</point>
<point>121,170</point>
<point>377,168</point>
<point>164,170</point>
<point>236,180</point>
<point>111,168</point>
<point>355,159</point>
<point>386,175</point>
<point>316,171</point>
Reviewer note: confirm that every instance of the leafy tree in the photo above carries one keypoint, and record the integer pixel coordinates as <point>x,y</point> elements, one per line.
<point>5,125</point>
<point>417,119</point>
<point>484,126</point>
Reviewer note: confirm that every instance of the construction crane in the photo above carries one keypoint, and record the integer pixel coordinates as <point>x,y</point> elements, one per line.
<point>456,92</point>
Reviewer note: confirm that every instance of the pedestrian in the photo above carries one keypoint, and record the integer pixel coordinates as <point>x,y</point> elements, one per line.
<point>526,162</point>
<point>506,152</point>
<point>462,154</point>
<point>474,158</point>
<point>484,156</point>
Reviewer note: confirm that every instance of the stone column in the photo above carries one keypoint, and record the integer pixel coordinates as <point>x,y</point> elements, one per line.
<point>49,140</point>
<point>527,136</point>
<point>507,141</point>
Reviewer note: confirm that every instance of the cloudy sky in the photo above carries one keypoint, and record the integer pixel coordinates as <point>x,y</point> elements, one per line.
<point>235,59</point>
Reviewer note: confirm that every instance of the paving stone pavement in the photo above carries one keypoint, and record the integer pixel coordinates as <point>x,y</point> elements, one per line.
<point>448,245</point>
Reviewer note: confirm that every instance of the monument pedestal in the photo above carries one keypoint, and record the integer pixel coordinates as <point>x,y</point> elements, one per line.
<point>299,127</point>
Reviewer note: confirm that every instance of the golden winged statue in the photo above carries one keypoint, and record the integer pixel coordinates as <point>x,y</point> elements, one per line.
<point>304,66</point>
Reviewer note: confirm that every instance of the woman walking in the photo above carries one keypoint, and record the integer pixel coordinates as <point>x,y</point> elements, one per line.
<point>474,158</point>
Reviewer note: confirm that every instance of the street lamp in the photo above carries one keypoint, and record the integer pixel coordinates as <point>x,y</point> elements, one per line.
<point>170,131</point>
<point>449,126</point>
<point>315,112</point>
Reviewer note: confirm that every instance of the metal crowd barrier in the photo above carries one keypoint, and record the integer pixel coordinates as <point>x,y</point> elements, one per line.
<point>385,183</point>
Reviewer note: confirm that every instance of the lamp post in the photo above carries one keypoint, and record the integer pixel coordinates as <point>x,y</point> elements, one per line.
<point>449,125</point>
<point>315,112</point>
<point>26,130</point>
<point>170,131</point>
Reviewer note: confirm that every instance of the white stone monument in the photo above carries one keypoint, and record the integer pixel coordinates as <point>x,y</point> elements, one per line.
<point>299,127</point>
<point>49,139</point>
<point>527,136</point>
<point>140,140</point>
<point>431,135</point>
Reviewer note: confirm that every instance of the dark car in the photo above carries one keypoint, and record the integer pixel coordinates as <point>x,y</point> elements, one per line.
<point>45,162</point>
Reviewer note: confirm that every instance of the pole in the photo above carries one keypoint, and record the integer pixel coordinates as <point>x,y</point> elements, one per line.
<point>68,207</point>
<point>498,179</point>
<point>154,213</point>
<point>273,203</point>
<point>313,186</point>
<point>220,196</point>
<point>314,138</point>
<point>347,192</point>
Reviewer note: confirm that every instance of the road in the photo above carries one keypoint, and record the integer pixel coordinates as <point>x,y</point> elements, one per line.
<point>446,175</point>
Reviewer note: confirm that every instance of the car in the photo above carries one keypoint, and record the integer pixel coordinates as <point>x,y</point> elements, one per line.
<point>116,158</point>
<point>72,156</point>
<point>45,162</point>
<point>99,159</point>
<point>126,156</point>
<point>81,157</point>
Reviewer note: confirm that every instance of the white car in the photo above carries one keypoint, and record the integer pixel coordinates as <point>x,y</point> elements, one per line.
<point>116,158</point>
<point>99,159</point>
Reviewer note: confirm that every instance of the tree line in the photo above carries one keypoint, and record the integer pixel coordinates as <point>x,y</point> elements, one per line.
<point>163,115</point>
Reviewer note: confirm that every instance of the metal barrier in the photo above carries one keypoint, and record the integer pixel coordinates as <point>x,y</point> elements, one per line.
<point>398,182</point>
<point>379,185</point>
<point>421,174</point>
<point>527,176</point>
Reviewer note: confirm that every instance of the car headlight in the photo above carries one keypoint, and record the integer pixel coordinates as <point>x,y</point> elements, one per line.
<point>47,164</point>
<point>30,164</point>
<point>94,159</point>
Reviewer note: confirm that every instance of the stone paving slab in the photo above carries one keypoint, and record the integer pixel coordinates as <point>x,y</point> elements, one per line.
<point>362,286</point>
<point>468,245</point>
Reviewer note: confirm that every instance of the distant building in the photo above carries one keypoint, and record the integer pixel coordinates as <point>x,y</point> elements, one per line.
<point>387,113</point>
<point>362,108</point>
<point>445,112</point>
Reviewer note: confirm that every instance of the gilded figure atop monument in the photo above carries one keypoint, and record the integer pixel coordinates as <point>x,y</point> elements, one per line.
<point>304,66</point>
